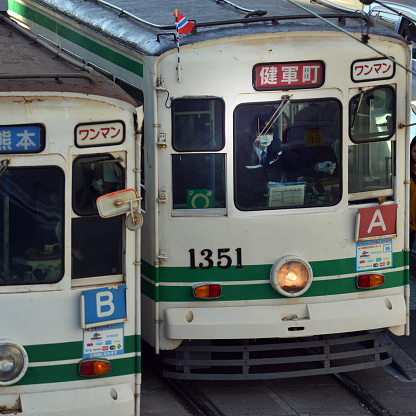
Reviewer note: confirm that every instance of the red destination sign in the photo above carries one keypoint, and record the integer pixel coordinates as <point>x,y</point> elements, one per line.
<point>376,222</point>
<point>288,75</point>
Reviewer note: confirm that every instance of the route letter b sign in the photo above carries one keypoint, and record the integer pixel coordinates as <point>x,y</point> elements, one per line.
<point>103,306</point>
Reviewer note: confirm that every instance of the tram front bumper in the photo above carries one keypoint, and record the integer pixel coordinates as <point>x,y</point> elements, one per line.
<point>109,400</point>
<point>286,321</point>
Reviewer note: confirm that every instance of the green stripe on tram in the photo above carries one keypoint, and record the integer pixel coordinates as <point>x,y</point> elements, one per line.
<point>57,373</point>
<point>62,372</point>
<point>65,32</point>
<point>265,291</point>
<point>261,290</point>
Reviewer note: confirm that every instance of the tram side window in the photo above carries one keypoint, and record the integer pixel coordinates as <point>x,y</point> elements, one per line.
<point>97,247</point>
<point>32,217</point>
<point>198,124</point>
<point>198,181</point>
<point>387,17</point>
<point>94,176</point>
<point>198,178</point>
<point>287,156</point>
<point>372,117</point>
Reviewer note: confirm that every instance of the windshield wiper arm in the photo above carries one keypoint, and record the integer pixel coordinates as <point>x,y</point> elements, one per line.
<point>358,107</point>
<point>276,114</point>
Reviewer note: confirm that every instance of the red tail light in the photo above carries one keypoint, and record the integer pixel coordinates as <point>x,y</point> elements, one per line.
<point>368,281</point>
<point>207,291</point>
<point>91,368</point>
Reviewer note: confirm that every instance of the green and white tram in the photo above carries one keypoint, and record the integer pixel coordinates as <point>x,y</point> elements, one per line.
<point>70,328</point>
<point>275,178</point>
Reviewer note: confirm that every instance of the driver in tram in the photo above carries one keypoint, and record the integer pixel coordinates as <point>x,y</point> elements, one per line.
<point>262,160</point>
<point>256,164</point>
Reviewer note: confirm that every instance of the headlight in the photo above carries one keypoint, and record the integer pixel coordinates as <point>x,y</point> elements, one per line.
<point>13,362</point>
<point>291,276</point>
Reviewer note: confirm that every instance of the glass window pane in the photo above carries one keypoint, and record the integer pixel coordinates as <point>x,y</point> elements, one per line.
<point>384,16</point>
<point>31,214</point>
<point>96,246</point>
<point>373,115</point>
<point>133,91</point>
<point>198,181</point>
<point>370,167</point>
<point>198,124</point>
<point>290,158</point>
<point>94,176</point>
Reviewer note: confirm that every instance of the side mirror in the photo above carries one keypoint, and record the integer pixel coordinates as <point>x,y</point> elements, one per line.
<point>119,203</point>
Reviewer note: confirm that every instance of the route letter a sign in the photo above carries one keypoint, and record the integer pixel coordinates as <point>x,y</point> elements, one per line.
<point>375,222</point>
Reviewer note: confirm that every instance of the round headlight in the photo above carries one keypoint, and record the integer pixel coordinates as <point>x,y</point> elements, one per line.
<point>291,276</point>
<point>13,362</point>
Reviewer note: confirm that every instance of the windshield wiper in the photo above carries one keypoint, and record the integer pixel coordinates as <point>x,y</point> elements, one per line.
<point>285,102</point>
<point>358,107</point>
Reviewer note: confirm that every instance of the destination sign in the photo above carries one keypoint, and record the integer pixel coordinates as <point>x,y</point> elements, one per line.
<point>22,139</point>
<point>372,69</point>
<point>288,75</point>
<point>99,134</point>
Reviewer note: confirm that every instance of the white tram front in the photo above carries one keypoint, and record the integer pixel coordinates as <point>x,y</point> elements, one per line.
<point>70,333</point>
<point>275,179</point>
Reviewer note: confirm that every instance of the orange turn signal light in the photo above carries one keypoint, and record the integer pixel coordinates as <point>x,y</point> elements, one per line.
<point>207,291</point>
<point>368,281</point>
<point>91,368</point>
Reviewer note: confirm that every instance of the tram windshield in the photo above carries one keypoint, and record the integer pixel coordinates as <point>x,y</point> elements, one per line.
<point>31,213</point>
<point>287,154</point>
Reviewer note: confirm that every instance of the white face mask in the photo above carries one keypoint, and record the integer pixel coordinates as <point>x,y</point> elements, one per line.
<point>98,185</point>
<point>265,140</point>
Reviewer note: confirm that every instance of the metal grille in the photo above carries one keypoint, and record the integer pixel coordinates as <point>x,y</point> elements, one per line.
<point>275,358</point>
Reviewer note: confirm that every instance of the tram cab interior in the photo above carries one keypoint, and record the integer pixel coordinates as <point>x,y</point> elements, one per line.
<point>302,138</point>
<point>32,213</point>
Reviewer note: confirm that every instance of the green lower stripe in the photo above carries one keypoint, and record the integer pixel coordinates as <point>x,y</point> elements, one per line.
<point>55,373</point>
<point>69,372</point>
<point>264,291</point>
<point>148,289</point>
<point>116,58</point>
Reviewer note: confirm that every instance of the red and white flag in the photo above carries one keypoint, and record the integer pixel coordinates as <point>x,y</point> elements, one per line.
<point>183,26</point>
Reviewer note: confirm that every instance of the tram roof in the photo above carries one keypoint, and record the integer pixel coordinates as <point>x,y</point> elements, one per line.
<point>148,26</point>
<point>28,66</point>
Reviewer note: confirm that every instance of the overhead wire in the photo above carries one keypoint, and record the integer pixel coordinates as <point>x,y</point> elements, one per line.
<point>350,35</point>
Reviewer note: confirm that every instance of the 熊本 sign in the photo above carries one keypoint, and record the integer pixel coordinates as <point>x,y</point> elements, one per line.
<point>22,139</point>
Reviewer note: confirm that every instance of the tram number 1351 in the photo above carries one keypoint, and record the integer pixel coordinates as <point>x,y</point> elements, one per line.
<point>223,259</point>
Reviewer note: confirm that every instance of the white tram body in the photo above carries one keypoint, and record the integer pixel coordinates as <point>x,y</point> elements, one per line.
<point>236,257</point>
<point>61,350</point>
